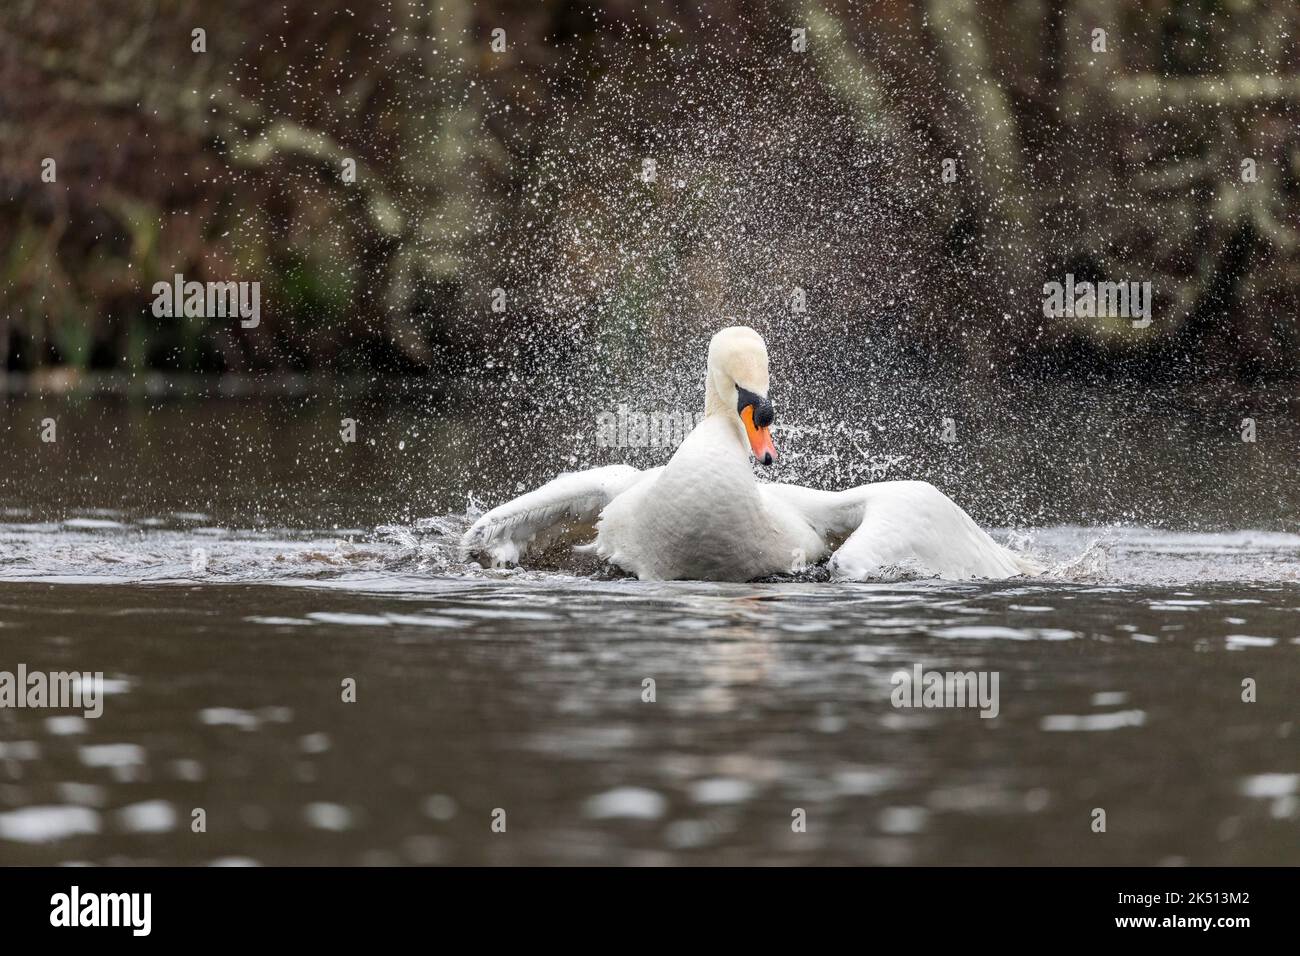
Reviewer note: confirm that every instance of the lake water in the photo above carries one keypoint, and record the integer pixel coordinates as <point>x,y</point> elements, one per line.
<point>229,564</point>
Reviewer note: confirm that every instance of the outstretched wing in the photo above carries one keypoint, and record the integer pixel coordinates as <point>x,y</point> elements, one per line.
<point>893,525</point>
<point>568,503</point>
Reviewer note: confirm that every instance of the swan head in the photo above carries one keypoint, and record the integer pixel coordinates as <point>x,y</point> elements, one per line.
<point>738,384</point>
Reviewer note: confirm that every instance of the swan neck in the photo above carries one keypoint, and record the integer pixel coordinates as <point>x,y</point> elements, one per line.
<point>713,401</point>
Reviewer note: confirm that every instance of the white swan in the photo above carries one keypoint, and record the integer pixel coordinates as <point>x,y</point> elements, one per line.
<point>704,516</point>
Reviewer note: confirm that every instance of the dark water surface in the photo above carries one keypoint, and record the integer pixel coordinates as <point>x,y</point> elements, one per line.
<point>228,566</point>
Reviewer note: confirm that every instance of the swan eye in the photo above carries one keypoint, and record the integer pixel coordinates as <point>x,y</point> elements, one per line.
<point>764,412</point>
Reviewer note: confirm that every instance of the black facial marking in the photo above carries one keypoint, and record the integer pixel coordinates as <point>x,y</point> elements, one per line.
<point>764,411</point>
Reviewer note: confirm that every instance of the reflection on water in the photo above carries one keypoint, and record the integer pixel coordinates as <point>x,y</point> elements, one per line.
<point>227,640</point>
<point>524,691</point>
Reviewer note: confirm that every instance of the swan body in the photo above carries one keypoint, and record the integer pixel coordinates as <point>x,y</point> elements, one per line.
<point>683,521</point>
<point>704,516</point>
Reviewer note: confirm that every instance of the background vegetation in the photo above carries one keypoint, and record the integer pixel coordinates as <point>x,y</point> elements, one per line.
<point>518,170</point>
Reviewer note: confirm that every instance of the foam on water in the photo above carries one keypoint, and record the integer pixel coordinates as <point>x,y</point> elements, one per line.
<point>418,556</point>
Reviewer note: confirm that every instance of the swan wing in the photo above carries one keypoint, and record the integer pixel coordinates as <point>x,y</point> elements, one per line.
<point>899,525</point>
<point>572,501</point>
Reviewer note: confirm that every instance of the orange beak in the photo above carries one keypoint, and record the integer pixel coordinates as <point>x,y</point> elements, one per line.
<point>760,439</point>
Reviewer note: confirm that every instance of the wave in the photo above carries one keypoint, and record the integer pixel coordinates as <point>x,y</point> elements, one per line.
<point>110,547</point>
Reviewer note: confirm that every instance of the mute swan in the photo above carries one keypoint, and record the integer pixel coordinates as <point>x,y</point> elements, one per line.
<point>704,516</point>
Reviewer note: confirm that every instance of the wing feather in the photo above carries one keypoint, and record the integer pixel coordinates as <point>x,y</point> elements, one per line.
<point>572,501</point>
<point>900,525</point>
